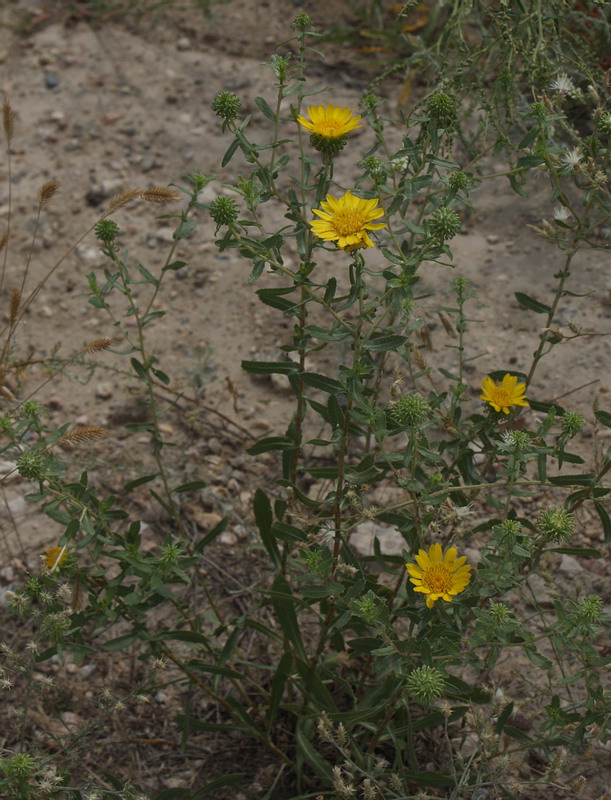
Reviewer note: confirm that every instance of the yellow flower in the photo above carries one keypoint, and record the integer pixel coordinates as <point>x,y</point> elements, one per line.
<point>331,122</point>
<point>346,221</point>
<point>55,556</point>
<point>504,395</point>
<point>438,575</point>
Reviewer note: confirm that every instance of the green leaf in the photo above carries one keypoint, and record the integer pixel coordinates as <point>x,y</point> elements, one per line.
<point>526,301</point>
<point>264,517</point>
<point>604,417</point>
<point>189,487</point>
<point>281,675</point>
<point>384,342</point>
<point>214,669</point>
<point>284,606</point>
<point>232,779</point>
<point>271,367</point>
<point>589,479</point>
<point>184,636</point>
<point>161,376</point>
<point>175,265</point>
<point>229,152</point>
<point>307,753</point>
<point>582,552</point>
<point>271,443</point>
<point>604,518</point>
<point>139,369</point>
<point>185,229</point>
<point>119,643</point>
<point>263,106</point>
<point>321,382</point>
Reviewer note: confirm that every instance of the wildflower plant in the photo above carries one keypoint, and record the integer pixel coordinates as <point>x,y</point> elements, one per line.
<point>363,672</point>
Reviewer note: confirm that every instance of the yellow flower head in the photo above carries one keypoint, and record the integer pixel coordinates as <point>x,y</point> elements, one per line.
<point>330,122</point>
<point>55,556</point>
<point>346,221</point>
<point>438,575</point>
<point>504,395</point>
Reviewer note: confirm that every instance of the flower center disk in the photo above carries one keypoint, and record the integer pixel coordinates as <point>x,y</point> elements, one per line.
<point>438,579</point>
<point>348,222</point>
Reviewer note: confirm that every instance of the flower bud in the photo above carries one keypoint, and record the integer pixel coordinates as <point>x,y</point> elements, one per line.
<point>226,105</point>
<point>410,411</point>
<point>442,108</point>
<point>375,169</point>
<point>30,465</point>
<point>425,683</point>
<point>302,22</point>
<point>106,230</point>
<point>224,211</point>
<point>572,423</point>
<point>556,524</point>
<point>458,180</point>
<point>444,223</point>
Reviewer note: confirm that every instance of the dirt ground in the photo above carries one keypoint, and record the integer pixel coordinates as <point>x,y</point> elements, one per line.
<point>105,108</point>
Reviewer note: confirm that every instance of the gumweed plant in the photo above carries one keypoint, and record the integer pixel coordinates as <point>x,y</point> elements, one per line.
<point>434,667</point>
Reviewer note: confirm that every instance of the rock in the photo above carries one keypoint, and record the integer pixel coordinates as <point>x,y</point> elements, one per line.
<point>492,238</point>
<point>228,537</point>
<point>184,43</point>
<point>165,234</point>
<point>104,390</point>
<point>569,565</point>
<point>391,541</point>
<point>540,590</point>
<point>215,445</point>
<point>51,81</point>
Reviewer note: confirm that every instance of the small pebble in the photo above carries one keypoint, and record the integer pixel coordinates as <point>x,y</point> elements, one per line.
<point>51,81</point>
<point>492,238</point>
<point>103,391</point>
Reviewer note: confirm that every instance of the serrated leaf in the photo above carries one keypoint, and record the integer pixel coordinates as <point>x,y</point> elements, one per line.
<point>321,382</point>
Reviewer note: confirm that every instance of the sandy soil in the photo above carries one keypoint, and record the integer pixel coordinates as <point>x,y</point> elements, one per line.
<point>119,106</point>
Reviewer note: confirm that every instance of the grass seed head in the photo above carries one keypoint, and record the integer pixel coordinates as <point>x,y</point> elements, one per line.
<point>8,119</point>
<point>46,192</point>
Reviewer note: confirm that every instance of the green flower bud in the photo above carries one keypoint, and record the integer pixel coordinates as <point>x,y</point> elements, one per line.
<point>410,411</point>
<point>425,683</point>
<point>442,108</point>
<point>589,609</point>
<point>302,22</point>
<point>55,626</point>
<point>30,465</point>
<point>538,110</point>
<point>226,105</point>
<point>30,410</point>
<point>572,423</point>
<point>375,168</point>
<point>371,101</point>
<point>444,223</point>
<point>326,145</point>
<point>556,524</point>
<point>106,230</point>
<point>500,613</point>
<point>458,180</point>
<point>515,441</point>
<point>604,124</point>
<point>224,211</point>
<point>367,608</point>
<point>19,767</point>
